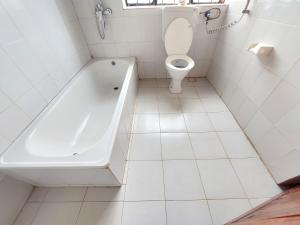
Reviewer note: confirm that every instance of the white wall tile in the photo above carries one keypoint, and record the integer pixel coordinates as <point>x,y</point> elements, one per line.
<point>293,75</point>
<point>12,122</point>
<point>48,88</point>
<point>262,92</point>
<point>141,30</point>
<point>273,146</point>
<point>8,31</point>
<point>3,144</point>
<point>12,82</point>
<point>284,98</point>
<point>4,102</point>
<point>32,103</point>
<point>25,59</point>
<point>42,47</point>
<point>289,125</point>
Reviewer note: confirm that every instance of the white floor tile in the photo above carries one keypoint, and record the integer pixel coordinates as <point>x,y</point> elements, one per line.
<point>144,181</point>
<point>187,83</point>
<point>27,214</point>
<point>170,123</point>
<point>223,121</point>
<point>147,92</point>
<point>237,145</point>
<point>148,83</point>
<point>163,83</point>
<point>65,194</point>
<point>107,194</point>
<point>38,194</point>
<point>144,213</point>
<point>145,147</point>
<point>146,123</point>
<point>255,178</point>
<point>258,201</point>
<point>219,179</point>
<point>214,105</point>
<point>223,211</point>
<point>165,93</point>
<point>146,105</point>
<point>182,180</point>
<point>169,105</point>
<point>100,213</point>
<point>206,92</point>
<point>207,146</point>
<point>188,213</point>
<point>198,122</point>
<point>192,105</point>
<point>176,146</point>
<point>202,82</point>
<point>188,92</point>
<point>57,213</point>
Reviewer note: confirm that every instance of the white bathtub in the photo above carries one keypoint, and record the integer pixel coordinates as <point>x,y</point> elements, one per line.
<point>82,137</point>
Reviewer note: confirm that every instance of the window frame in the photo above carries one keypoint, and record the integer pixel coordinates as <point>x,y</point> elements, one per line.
<point>154,3</point>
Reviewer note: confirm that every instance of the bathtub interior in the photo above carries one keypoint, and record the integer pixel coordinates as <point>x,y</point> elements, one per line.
<point>79,127</point>
<point>73,127</point>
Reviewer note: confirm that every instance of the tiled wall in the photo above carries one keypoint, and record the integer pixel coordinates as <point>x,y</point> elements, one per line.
<point>138,32</point>
<point>264,93</point>
<point>41,48</point>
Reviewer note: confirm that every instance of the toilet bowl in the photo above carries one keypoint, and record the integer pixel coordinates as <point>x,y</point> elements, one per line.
<point>178,40</point>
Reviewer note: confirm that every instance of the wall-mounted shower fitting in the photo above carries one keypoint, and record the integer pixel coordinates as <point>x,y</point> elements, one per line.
<point>101,13</point>
<point>215,13</point>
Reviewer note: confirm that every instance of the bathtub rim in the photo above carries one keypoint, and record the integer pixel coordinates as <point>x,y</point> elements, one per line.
<point>4,165</point>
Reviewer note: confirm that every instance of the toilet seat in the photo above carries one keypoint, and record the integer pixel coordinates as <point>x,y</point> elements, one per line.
<point>178,40</point>
<point>178,37</point>
<point>172,64</point>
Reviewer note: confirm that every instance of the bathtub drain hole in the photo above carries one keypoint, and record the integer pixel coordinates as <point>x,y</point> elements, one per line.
<point>113,63</point>
<point>75,153</point>
<point>116,88</point>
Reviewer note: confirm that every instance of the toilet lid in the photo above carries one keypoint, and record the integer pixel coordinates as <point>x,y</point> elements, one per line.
<point>178,37</point>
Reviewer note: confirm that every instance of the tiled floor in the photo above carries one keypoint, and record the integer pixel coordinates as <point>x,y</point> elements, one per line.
<point>189,164</point>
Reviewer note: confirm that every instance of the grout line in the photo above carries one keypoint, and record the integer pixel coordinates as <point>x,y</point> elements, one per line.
<point>198,170</point>
<point>153,200</point>
<point>235,172</point>
<point>187,159</point>
<point>81,206</point>
<point>163,171</point>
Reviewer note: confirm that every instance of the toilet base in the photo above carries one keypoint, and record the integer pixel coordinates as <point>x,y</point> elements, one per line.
<point>175,86</point>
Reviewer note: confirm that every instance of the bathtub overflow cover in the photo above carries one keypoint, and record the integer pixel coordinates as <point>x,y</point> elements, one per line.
<point>113,63</point>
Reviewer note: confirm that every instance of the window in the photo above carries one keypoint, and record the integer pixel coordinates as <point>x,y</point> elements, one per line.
<point>167,2</point>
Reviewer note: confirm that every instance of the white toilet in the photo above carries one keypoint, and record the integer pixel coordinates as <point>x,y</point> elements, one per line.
<point>178,39</point>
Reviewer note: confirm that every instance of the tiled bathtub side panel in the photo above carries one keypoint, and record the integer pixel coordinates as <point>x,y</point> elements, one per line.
<point>121,145</point>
